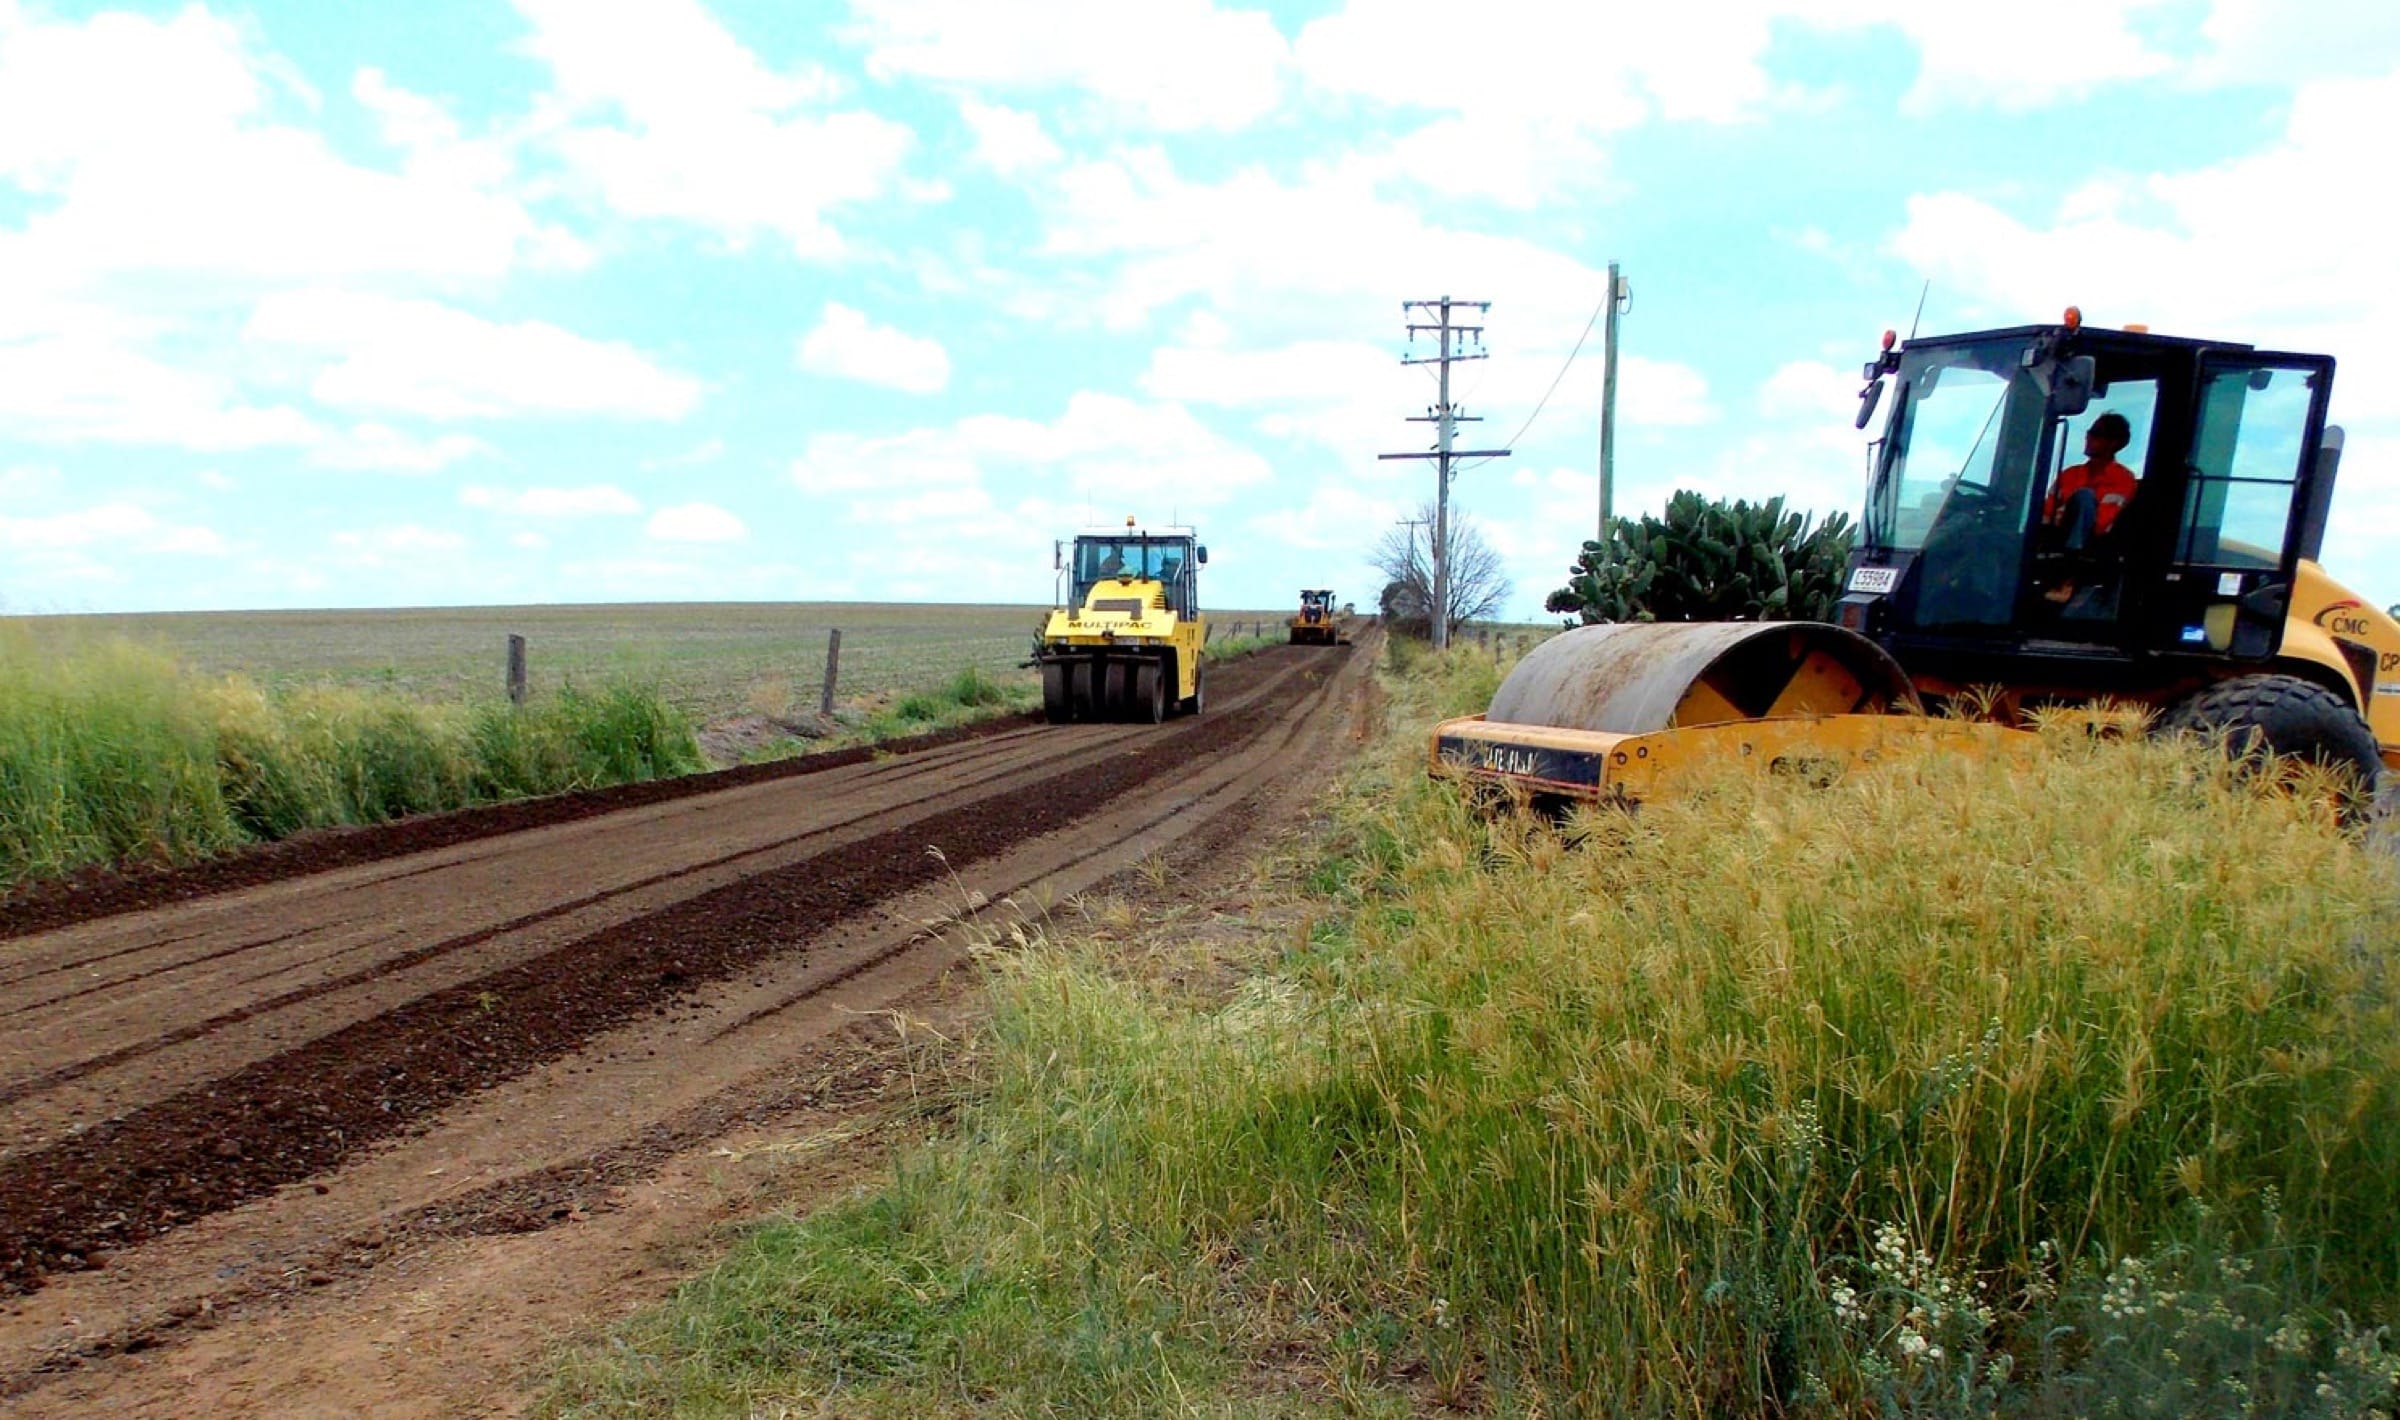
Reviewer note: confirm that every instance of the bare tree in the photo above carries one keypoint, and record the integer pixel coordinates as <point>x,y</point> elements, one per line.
<point>1479,584</point>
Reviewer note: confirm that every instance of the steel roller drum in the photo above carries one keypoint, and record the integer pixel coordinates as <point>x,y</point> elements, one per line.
<point>1639,677</point>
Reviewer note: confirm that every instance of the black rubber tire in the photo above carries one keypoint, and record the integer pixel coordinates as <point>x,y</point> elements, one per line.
<point>1116,690</point>
<point>1150,694</point>
<point>2286,716</point>
<point>1056,707</point>
<point>1190,704</point>
<point>1083,693</point>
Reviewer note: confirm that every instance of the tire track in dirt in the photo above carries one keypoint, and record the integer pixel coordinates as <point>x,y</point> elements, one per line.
<point>300,1111</point>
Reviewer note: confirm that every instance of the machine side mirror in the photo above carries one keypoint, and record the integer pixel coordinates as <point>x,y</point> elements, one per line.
<point>2071,385</point>
<point>1868,398</point>
<point>1204,554</point>
<point>1058,556</point>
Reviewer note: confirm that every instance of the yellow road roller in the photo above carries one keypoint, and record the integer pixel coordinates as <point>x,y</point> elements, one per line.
<point>1126,642</point>
<point>2056,515</point>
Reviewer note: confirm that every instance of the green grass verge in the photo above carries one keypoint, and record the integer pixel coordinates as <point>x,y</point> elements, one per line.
<point>1955,1088</point>
<point>969,696</point>
<point>112,752</point>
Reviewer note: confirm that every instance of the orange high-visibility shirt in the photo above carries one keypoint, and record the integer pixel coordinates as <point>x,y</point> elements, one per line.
<point>2113,485</point>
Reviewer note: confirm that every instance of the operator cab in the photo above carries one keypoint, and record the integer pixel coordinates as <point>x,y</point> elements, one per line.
<point>1170,558</point>
<point>2206,469</point>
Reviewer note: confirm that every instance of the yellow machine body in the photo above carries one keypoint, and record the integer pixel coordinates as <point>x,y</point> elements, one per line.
<point>2336,637</point>
<point>1315,624</point>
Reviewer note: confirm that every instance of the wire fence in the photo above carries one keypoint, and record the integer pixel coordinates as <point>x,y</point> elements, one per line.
<point>710,660</point>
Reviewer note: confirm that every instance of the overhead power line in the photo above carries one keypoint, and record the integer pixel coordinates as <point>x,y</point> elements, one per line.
<point>1555,381</point>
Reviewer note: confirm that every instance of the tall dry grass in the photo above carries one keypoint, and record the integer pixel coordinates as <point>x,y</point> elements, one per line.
<point>2063,1085</point>
<point>111,752</point>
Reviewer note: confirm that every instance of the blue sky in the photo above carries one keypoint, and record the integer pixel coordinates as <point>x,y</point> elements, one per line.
<point>488,301</point>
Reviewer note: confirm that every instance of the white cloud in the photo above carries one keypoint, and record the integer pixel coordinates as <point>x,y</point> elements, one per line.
<point>848,345</point>
<point>1350,395</point>
<point>530,541</point>
<point>400,540</point>
<point>27,481</point>
<point>2207,252</point>
<point>1324,249</point>
<point>1809,389</point>
<point>1512,160</point>
<point>1344,395</point>
<point>2023,56</point>
<point>1661,392</point>
<point>169,195</point>
<point>589,501</point>
<point>1102,444</point>
<point>111,527</point>
<point>424,358</point>
<point>151,136</point>
<point>695,522</point>
<point>381,447</point>
<point>1006,140</point>
<point>75,387</point>
<point>708,450</point>
<point>2293,41</point>
<point>1590,68</point>
<point>1336,518</point>
<point>216,482</point>
<point>1174,64</point>
<point>709,134</point>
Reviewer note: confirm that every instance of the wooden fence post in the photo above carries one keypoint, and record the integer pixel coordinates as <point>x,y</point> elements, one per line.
<point>833,671</point>
<point>516,669</point>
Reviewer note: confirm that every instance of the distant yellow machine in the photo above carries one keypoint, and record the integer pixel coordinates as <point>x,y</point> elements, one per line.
<point>1126,644</point>
<point>1990,569</point>
<point>1315,625</point>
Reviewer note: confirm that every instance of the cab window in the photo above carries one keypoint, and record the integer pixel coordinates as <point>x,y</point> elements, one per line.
<point>2252,428</point>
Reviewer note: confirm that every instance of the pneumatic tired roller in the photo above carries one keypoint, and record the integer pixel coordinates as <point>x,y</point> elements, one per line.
<point>1127,643</point>
<point>1609,712</point>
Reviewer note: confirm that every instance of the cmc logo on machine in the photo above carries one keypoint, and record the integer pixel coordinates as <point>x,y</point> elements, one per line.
<point>2344,618</point>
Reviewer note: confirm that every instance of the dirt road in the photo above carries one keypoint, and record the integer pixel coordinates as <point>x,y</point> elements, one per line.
<point>362,1138</point>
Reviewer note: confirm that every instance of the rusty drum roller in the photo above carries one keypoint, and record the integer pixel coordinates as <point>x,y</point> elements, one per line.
<point>1610,712</point>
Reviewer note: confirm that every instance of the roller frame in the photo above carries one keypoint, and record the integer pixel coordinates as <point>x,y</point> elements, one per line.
<point>1598,766</point>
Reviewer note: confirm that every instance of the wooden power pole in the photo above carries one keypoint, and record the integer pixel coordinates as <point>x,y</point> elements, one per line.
<point>1620,299</point>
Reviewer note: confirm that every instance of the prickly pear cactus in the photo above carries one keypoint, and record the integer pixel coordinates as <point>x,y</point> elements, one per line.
<point>1709,560</point>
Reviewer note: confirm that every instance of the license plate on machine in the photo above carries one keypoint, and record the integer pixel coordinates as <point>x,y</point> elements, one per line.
<point>1538,764</point>
<point>1874,580</point>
